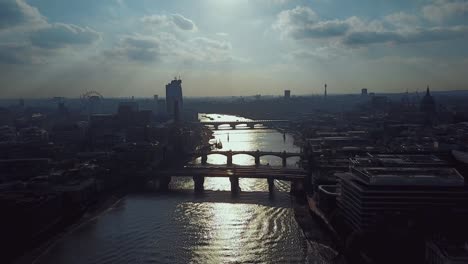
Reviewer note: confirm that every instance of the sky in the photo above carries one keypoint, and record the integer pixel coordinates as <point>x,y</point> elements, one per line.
<point>123,48</point>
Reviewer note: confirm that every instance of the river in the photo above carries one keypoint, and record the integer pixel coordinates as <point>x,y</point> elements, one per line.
<point>183,227</point>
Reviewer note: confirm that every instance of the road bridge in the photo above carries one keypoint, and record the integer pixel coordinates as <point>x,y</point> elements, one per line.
<point>248,123</point>
<point>257,154</point>
<point>296,176</point>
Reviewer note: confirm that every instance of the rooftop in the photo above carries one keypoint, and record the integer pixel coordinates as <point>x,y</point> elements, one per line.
<point>415,176</point>
<point>400,160</point>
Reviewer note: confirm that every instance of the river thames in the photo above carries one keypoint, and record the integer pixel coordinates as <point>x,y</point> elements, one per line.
<point>215,227</point>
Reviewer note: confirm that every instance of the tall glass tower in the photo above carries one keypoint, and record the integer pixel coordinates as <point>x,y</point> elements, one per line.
<point>173,95</point>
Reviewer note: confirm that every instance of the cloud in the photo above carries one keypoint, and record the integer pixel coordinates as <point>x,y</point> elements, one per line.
<point>168,47</point>
<point>158,20</point>
<point>15,13</point>
<point>212,44</point>
<point>395,37</point>
<point>322,29</point>
<point>272,2</point>
<point>402,20</point>
<point>61,35</point>
<point>137,48</point>
<point>19,53</point>
<point>37,39</point>
<point>222,34</point>
<point>317,54</point>
<point>144,49</point>
<point>210,50</point>
<point>294,21</point>
<point>303,23</point>
<point>176,20</point>
<point>183,23</point>
<point>441,10</point>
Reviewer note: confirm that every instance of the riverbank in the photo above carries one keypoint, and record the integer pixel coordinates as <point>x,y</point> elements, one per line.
<point>315,234</point>
<point>31,256</point>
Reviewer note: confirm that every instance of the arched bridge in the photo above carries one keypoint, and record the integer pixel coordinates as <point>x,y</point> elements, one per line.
<point>257,154</point>
<point>248,123</point>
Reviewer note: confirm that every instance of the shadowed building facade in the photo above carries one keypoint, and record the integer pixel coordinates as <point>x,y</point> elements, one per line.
<point>174,101</point>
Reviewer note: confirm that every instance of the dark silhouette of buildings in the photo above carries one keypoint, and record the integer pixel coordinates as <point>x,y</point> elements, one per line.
<point>428,105</point>
<point>428,108</point>
<point>173,95</point>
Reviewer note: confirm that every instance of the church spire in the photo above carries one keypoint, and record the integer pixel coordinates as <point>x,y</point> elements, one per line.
<point>427,91</point>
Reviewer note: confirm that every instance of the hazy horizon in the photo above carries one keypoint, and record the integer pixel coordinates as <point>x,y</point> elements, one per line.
<point>224,48</point>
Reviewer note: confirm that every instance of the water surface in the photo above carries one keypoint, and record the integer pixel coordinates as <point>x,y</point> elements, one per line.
<point>214,227</point>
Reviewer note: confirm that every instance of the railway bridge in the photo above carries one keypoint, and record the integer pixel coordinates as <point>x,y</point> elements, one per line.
<point>297,177</point>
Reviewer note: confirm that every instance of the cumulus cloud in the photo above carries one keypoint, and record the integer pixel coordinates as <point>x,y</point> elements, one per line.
<point>294,21</point>
<point>324,29</point>
<point>316,54</point>
<point>166,45</point>
<point>416,36</point>
<point>16,13</point>
<point>19,53</point>
<point>158,20</point>
<point>176,20</point>
<point>441,10</point>
<point>303,23</point>
<point>402,20</point>
<point>212,44</point>
<point>61,35</point>
<point>271,2</point>
<point>183,23</point>
<point>39,39</point>
<point>148,49</point>
<point>137,48</point>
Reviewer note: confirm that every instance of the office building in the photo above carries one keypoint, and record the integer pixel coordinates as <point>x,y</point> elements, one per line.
<point>174,97</point>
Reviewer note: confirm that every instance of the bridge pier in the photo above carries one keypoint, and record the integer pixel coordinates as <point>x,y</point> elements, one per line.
<point>234,184</point>
<point>285,164</point>
<point>251,125</point>
<point>297,187</point>
<point>229,158</point>
<point>271,184</point>
<point>164,183</point>
<point>204,159</point>
<point>233,126</point>
<point>257,158</point>
<point>216,127</point>
<point>198,183</point>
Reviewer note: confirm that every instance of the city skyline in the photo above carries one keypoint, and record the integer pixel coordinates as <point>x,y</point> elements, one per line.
<point>231,47</point>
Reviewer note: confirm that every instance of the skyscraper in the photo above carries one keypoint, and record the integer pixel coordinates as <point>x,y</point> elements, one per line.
<point>174,94</point>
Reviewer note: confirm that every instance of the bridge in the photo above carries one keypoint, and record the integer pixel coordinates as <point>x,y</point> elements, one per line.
<point>256,154</point>
<point>248,123</point>
<point>296,176</point>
